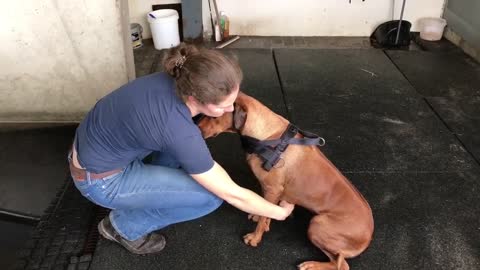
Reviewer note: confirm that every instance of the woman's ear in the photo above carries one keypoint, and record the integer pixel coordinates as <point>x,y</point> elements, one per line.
<point>239,117</point>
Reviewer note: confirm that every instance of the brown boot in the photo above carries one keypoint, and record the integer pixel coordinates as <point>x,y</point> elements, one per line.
<point>150,243</point>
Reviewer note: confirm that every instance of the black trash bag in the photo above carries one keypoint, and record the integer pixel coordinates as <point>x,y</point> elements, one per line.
<point>385,35</point>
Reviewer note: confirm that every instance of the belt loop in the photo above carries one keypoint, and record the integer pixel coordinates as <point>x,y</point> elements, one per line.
<point>89,181</point>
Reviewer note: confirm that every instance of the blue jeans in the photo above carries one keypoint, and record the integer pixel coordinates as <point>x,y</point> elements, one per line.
<point>148,197</point>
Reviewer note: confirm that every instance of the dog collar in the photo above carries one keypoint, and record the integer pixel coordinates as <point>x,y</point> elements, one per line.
<point>270,151</point>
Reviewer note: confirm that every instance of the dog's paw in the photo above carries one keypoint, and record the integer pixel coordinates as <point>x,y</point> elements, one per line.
<point>252,239</point>
<point>308,265</point>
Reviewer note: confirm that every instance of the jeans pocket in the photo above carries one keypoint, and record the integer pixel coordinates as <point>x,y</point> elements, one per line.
<point>94,192</point>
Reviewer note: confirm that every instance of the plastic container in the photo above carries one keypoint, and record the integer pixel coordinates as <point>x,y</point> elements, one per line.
<point>164,27</point>
<point>224,25</point>
<point>218,33</point>
<point>136,32</point>
<point>432,28</point>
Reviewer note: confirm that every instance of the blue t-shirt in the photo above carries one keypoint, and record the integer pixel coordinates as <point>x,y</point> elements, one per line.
<point>142,116</point>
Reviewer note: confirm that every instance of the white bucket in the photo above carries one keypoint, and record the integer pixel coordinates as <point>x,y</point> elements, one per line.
<point>164,27</point>
<point>432,28</point>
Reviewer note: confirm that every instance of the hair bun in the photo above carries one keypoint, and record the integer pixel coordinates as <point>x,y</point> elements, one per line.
<point>176,58</point>
<point>180,61</point>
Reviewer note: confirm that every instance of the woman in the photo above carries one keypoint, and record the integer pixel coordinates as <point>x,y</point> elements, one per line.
<point>153,114</point>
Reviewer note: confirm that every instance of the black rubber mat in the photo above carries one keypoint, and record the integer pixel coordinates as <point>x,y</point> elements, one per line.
<point>215,241</point>
<point>60,237</point>
<point>33,168</point>
<point>462,117</point>
<point>422,220</point>
<point>14,234</point>
<point>340,73</point>
<point>373,134</point>
<point>260,77</point>
<point>438,46</point>
<point>439,74</point>
<point>413,215</point>
<point>419,180</point>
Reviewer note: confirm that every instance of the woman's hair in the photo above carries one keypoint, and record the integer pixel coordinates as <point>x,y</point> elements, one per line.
<point>206,74</point>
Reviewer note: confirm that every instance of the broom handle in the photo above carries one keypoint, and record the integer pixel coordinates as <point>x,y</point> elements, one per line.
<point>400,22</point>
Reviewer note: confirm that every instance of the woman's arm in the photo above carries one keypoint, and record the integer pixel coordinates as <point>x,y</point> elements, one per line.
<point>217,181</point>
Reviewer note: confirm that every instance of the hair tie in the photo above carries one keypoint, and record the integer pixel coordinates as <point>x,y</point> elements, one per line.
<point>179,63</point>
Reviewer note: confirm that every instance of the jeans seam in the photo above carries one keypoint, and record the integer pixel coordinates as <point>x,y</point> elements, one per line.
<point>126,195</point>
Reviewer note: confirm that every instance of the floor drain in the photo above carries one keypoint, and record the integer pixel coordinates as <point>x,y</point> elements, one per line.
<point>92,234</point>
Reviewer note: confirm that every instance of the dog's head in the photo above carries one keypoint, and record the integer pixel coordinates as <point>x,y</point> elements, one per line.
<point>228,122</point>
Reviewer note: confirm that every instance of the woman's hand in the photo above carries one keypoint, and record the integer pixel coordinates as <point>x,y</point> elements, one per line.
<point>217,181</point>
<point>288,207</point>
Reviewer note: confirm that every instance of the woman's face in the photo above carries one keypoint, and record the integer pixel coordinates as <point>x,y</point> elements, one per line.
<point>226,105</point>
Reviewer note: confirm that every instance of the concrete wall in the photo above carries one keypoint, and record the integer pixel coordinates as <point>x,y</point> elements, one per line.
<point>59,57</point>
<point>463,19</point>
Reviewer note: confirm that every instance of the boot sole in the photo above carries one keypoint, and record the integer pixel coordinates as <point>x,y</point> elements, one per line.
<point>106,235</point>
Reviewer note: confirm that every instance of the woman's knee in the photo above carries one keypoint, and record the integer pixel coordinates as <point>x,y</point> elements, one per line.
<point>216,202</point>
<point>212,202</point>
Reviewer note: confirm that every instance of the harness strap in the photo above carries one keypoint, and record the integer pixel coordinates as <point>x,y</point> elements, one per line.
<point>270,150</point>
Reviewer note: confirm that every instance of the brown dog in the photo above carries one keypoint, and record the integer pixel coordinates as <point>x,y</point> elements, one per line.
<point>343,223</point>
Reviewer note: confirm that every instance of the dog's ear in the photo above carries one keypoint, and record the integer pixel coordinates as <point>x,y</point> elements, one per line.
<point>239,117</point>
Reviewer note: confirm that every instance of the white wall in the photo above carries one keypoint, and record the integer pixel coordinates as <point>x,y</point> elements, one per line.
<point>302,17</point>
<point>318,17</point>
<point>58,57</point>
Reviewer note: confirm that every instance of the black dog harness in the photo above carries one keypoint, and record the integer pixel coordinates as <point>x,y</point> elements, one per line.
<point>270,151</point>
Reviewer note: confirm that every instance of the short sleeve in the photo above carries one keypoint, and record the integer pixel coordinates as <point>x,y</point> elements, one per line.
<point>192,153</point>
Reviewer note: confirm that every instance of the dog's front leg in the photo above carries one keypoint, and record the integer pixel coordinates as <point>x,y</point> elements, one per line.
<point>263,223</point>
<point>253,218</point>
<point>254,238</point>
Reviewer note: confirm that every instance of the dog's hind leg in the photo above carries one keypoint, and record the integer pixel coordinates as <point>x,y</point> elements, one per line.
<point>335,264</point>
<point>323,236</point>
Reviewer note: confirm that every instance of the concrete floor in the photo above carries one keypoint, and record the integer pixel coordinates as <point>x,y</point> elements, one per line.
<point>402,125</point>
